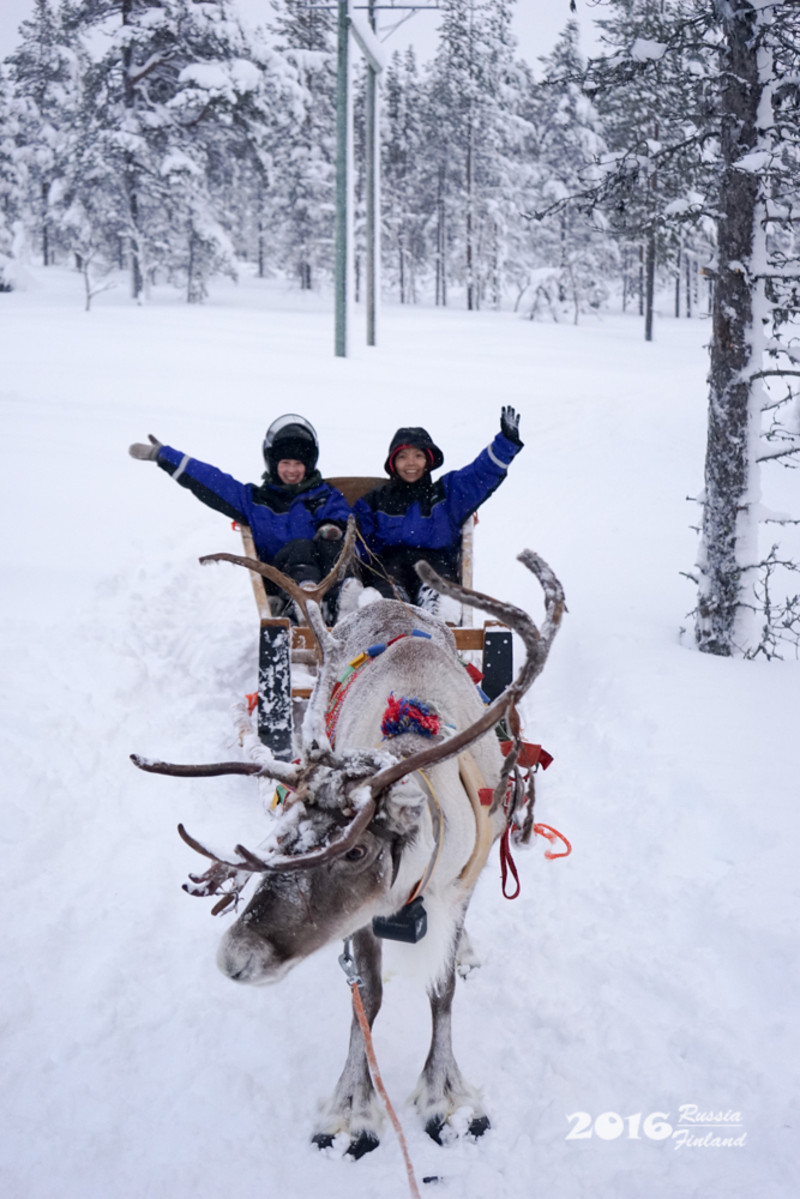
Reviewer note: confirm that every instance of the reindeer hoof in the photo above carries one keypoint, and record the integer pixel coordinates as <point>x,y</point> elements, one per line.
<point>439,1130</point>
<point>442,1132</point>
<point>479,1126</point>
<point>323,1140</point>
<point>365,1142</point>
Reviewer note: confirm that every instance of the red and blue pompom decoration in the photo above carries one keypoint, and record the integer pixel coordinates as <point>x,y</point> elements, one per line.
<point>410,715</point>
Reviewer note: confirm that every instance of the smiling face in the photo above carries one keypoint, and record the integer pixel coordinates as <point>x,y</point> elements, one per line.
<point>410,464</point>
<point>290,471</point>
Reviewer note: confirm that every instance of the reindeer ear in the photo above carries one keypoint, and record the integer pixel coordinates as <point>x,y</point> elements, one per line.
<point>403,805</point>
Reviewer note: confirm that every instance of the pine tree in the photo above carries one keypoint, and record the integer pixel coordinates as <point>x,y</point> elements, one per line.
<point>575,256</point>
<point>472,94</point>
<point>746,603</point>
<point>402,175</point>
<point>160,111</point>
<point>10,186</point>
<point>651,90</point>
<point>44,76</point>
<point>304,165</point>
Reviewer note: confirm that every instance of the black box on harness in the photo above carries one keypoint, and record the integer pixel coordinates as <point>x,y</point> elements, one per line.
<point>409,924</point>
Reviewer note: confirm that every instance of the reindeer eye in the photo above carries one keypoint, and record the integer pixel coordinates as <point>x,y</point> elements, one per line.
<point>356,853</point>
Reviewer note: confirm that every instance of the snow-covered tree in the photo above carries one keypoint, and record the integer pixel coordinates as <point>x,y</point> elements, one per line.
<point>303,208</point>
<point>652,92</point>
<point>402,175</point>
<point>473,91</point>
<point>44,75</point>
<point>574,253</point>
<point>9,186</point>
<point>161,101</point>
<point>748,599</point>
<point>721,80</point>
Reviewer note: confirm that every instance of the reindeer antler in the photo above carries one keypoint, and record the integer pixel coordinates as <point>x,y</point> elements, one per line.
<point>300,595</point>
<point>314,857</point>
<point>284,772</point>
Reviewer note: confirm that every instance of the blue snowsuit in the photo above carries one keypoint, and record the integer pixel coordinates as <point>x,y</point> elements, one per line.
<point>428,514</point>
<point>276,513</point>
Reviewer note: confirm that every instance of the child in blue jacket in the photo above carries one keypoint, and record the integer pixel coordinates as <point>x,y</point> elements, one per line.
<point>296,517</point>
<point>413,517</point>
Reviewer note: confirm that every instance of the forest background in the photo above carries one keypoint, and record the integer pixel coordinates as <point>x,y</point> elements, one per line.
<point>166,141</point>
<point>173,141</point>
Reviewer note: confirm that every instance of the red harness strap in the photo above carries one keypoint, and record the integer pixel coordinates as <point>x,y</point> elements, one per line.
<point>507,863</point>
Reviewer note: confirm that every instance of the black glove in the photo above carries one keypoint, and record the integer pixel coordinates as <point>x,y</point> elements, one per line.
<point>146,453</point>
<point>509,424</point>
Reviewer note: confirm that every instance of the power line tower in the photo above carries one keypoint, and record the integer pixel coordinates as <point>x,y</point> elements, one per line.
<point>351,27</point>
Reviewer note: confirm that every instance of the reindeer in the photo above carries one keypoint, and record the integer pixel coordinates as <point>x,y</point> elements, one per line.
<point>373,824</point>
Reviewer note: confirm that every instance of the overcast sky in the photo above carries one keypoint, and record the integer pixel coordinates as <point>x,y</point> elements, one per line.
<point>537,24</point>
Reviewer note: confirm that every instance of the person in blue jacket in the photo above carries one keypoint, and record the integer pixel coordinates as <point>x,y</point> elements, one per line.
<point>413,517</point>
<point>297,519</point>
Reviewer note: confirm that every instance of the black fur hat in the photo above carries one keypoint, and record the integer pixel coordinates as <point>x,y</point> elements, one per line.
<point>418,439</point>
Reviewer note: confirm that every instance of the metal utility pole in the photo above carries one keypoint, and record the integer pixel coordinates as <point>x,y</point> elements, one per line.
<point>373,204</point>
<point>364,35</point>
<point>344,158</point>
<point>348,23</point>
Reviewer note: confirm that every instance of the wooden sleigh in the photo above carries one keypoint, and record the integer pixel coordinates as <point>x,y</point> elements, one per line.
<point>287,654</point>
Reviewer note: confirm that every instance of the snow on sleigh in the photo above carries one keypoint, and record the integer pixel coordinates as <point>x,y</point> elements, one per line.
<point>288,654</point>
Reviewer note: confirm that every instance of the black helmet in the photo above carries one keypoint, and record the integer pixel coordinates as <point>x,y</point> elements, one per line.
<point>418,439</point>
<point>290,436</point>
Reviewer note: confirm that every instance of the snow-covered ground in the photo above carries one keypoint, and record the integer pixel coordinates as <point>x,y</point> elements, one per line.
<point>654,968</point>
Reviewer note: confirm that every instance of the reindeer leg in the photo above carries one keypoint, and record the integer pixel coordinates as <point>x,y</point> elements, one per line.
<point>467,959</point>
<point>442,1090</point>
<point>354,1108</point>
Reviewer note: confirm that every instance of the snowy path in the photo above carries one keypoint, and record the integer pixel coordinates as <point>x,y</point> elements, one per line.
<point>656,967</point>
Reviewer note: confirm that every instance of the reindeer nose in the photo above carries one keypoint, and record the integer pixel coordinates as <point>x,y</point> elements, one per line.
<point>250,960</point>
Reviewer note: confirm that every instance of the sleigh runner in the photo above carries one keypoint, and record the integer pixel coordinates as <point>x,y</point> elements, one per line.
<point>287,652</point>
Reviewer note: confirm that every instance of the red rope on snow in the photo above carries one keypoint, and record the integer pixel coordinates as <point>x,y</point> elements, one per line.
<point>361,1015</point>
<point>550,834</point>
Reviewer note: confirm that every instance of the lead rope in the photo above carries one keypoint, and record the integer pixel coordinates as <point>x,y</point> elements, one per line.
<point>347,962</point>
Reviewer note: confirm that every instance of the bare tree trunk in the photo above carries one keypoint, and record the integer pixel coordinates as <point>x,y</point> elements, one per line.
<point>441,242</point>
<point>649,284</point>
<point>401,267</point>
<point>470,250</point>
<point>45,228</point>
<point>130,169</point>
<point>729,491</point>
